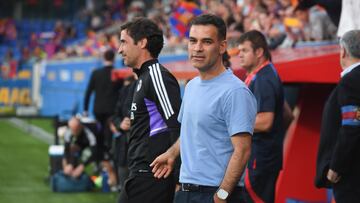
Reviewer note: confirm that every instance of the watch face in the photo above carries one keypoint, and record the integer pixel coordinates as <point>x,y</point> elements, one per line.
<point>222,194</point>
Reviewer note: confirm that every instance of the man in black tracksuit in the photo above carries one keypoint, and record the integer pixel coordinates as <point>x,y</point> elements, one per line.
<point>338,161</point>
<point>154,112</point>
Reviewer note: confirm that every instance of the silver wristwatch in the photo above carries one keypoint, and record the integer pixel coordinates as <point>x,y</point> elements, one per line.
<point>222,194</point>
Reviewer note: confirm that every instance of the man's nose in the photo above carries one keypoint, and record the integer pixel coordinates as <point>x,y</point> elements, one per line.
<point>198,46</point>
<point>120,50</point>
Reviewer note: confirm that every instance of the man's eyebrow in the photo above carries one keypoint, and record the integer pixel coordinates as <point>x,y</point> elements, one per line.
<point>207,39</point>
<point>202,39</point>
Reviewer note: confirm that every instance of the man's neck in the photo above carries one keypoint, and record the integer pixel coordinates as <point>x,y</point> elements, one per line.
<point>108,63</point>
<point>257,65</point>
<point>212,72</point>
<point>142,59</point>
<point>351,62</point>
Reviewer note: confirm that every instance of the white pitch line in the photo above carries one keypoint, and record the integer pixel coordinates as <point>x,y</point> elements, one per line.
<point>33,130</point>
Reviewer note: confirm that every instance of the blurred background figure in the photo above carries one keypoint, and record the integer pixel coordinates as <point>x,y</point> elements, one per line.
<point>106,93</point>
<point>77,138</point>
<point>120,126</point>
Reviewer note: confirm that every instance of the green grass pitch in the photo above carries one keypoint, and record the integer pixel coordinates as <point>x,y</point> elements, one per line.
<point>24,164</point>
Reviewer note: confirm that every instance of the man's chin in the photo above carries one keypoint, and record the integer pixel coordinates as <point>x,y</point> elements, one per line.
<point>201,68</point>
<point>196,65</point>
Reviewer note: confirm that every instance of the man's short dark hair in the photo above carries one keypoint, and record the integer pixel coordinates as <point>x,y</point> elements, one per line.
<point>109,55</point>
<point>141,28</point>
<point>210,19</point>
<point>257,40</point>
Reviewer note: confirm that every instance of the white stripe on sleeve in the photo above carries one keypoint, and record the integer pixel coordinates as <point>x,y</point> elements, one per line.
<point>164,90</point>
<point>158,93</point>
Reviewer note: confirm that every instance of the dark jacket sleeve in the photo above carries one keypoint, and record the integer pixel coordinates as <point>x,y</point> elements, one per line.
<point>346,148</point>
<point>168,102</point>
<point>123,104</point>
<point>90,88</point>
<point>168,99</point>
<point>117,117</point>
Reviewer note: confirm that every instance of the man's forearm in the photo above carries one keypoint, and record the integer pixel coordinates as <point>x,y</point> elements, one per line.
<point>264,121</point>
<point>174,150</point>
<point>237,163</point>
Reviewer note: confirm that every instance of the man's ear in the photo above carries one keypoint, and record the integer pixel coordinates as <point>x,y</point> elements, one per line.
<point>143,43</point>
<point>342,52</point>
<point>223,47</point>
<point>259,52</point>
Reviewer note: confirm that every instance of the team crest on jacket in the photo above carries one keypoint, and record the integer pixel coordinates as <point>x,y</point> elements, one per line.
<point>139,85</point>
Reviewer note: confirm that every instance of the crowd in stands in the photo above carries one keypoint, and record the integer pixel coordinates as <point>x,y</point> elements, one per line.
<point>96,28</point>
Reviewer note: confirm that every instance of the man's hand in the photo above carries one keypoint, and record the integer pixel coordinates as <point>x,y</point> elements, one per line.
<point>163,165</point>
<point>332,176</point>
<point>125,124</point>
<point>113,128</point>
<point>78,171</point>
<point>217,200</point>
<point>68,168</point>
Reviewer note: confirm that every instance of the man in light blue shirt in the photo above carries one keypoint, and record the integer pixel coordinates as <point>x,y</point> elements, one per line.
<point>211,113</point>
<point>217,118</point>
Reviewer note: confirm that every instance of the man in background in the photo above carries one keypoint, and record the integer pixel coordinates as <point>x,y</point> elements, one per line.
<point>77,138</point>
<point>106,94</point>
<point>338,161</point>
<point>267,142</point>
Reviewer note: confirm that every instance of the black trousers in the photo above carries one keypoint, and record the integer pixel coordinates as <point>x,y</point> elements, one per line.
<point>347,189</point>
<point>260,186</point>
<point>207,196</point>
<point>103,137</point>
<point>120,148</point>
<point>147,189</point>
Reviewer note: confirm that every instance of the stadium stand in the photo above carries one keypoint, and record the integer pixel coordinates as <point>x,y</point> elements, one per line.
<point>71,48</point>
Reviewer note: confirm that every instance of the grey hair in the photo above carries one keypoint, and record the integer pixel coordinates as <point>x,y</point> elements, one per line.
<point>351,42</point>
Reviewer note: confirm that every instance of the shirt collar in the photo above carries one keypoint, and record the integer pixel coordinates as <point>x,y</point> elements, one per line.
<point>145,65</point>
<point>349,69</point>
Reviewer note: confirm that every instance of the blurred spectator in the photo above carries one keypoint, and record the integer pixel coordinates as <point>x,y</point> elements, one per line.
<point>33,41</point>
<point>25,57</point>
<point>332,7</point>
<point>316,24</point>
<point>136,9</point>
<point>9,66</point>
<point>9,32</point>
<point>276,19</point>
